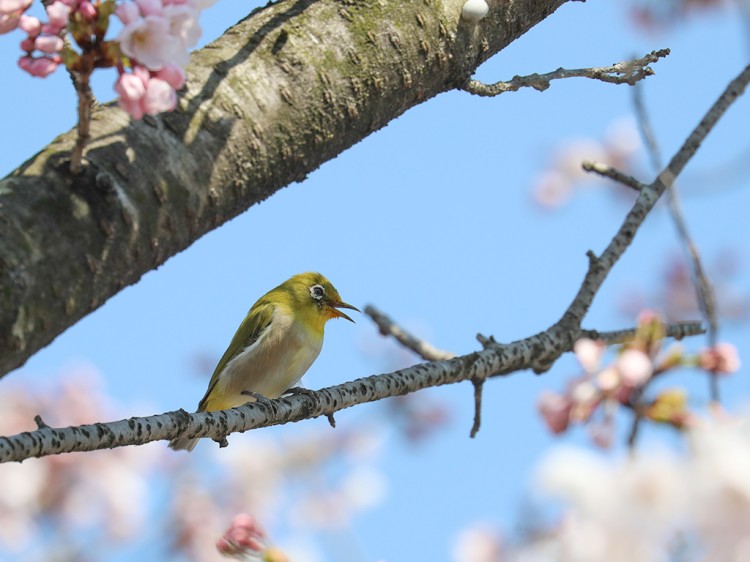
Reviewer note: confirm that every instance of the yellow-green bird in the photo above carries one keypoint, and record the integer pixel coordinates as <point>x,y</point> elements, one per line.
<point>276,343</point>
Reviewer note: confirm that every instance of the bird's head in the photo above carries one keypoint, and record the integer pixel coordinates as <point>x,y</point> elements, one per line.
<point>315,294</point>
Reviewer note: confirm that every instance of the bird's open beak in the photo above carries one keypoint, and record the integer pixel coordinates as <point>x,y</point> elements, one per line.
<point>334,305</point>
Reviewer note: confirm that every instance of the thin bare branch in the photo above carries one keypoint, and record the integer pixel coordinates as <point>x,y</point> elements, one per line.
<point>478,387</point>
<point>626,72</point>
<point>612,173</point>
<point>704,291</point>
<point>422,348</point>
<point>677,331</point>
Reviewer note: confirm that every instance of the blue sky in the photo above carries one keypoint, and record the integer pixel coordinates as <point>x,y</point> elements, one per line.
<point>434,224</point>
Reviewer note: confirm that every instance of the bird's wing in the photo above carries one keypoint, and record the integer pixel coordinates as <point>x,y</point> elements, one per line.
<point>255,323</point>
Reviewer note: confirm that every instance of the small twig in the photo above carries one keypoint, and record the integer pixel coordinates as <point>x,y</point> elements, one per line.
<point>613,174</point>
<point>422,348</point>
<point>637,405</point>
<point>85,103</point>
<point>40,423</point>
<point>704,291</point>
<point>678,330</point>
<point>626,72</point>
<point>478,386</point>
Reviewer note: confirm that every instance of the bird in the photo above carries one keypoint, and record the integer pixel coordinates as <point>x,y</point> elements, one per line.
<point>276,343</point>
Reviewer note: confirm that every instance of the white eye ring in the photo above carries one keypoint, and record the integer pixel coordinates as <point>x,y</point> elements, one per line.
<point>317,292</point>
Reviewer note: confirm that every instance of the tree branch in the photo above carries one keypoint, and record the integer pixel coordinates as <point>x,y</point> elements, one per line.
<point>607,171</point>
<point>703,288</point>
<point>389,328</point>
<point>599,266</point>
<point>476,367</point>
<point>626,72</point>
<point>286,89</point>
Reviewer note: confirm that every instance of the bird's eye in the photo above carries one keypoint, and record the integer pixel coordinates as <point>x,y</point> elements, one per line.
<point>317,292</point>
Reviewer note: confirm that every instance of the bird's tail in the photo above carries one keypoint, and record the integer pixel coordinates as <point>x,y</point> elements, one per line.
<point>183,443</point>
<point>188,443</point>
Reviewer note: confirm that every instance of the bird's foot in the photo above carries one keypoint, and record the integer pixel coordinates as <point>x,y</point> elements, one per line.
<point>260,399</point>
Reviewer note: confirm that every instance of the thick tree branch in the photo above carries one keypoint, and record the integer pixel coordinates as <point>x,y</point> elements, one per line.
<point>286,89</point>
<point>476,367</point>
<point>626,72</point>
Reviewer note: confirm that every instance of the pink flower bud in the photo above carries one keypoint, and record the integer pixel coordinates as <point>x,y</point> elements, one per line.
<point>39,67</point>
<point>722,358</point>
<point>131,90</point>
<point>130,87</point>
<point>159,97</point>
<point>635,367</point>
<point>172,75</point>
<point>27,45</point>
<point>243,537</point>
<point>30,25</point>
<point>7,23</point>
<point>88,11</point>
<point>49,44</point>
<point>143,74</point>
<point>555,411</point>
<point>58,14</point>
<point>589,354</point>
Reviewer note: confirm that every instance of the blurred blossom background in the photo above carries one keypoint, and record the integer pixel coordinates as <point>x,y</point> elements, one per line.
<point>464,215</point>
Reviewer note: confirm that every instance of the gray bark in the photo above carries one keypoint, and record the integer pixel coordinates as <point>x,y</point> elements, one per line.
<point>286,89</point>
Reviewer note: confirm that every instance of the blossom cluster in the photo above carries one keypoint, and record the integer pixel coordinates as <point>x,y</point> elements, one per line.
<point>648,507</point>
<point>150,51</point>
<point>595,396</point>
<point>155,38</point>
<point>638,508</point>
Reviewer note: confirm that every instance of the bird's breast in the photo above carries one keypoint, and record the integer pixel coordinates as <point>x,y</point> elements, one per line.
<point>272,364</point>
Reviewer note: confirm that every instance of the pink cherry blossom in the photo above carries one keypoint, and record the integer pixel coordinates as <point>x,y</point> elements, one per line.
<point>183,24</point>
<point>10,13</point>
<point>150,7</point>
<point>555,410</point>
<point>196,4</point>
<point>722,358</point>
<point>39,67</point>
<point>127,12</point>
<point>58,13</point>
<point>148,41</point>
<point>159,97</point>
<point>172,75</point>
<point>244,537</point>
<point>27,45</point>
<point>49,44</point>
<point>15,7</point>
